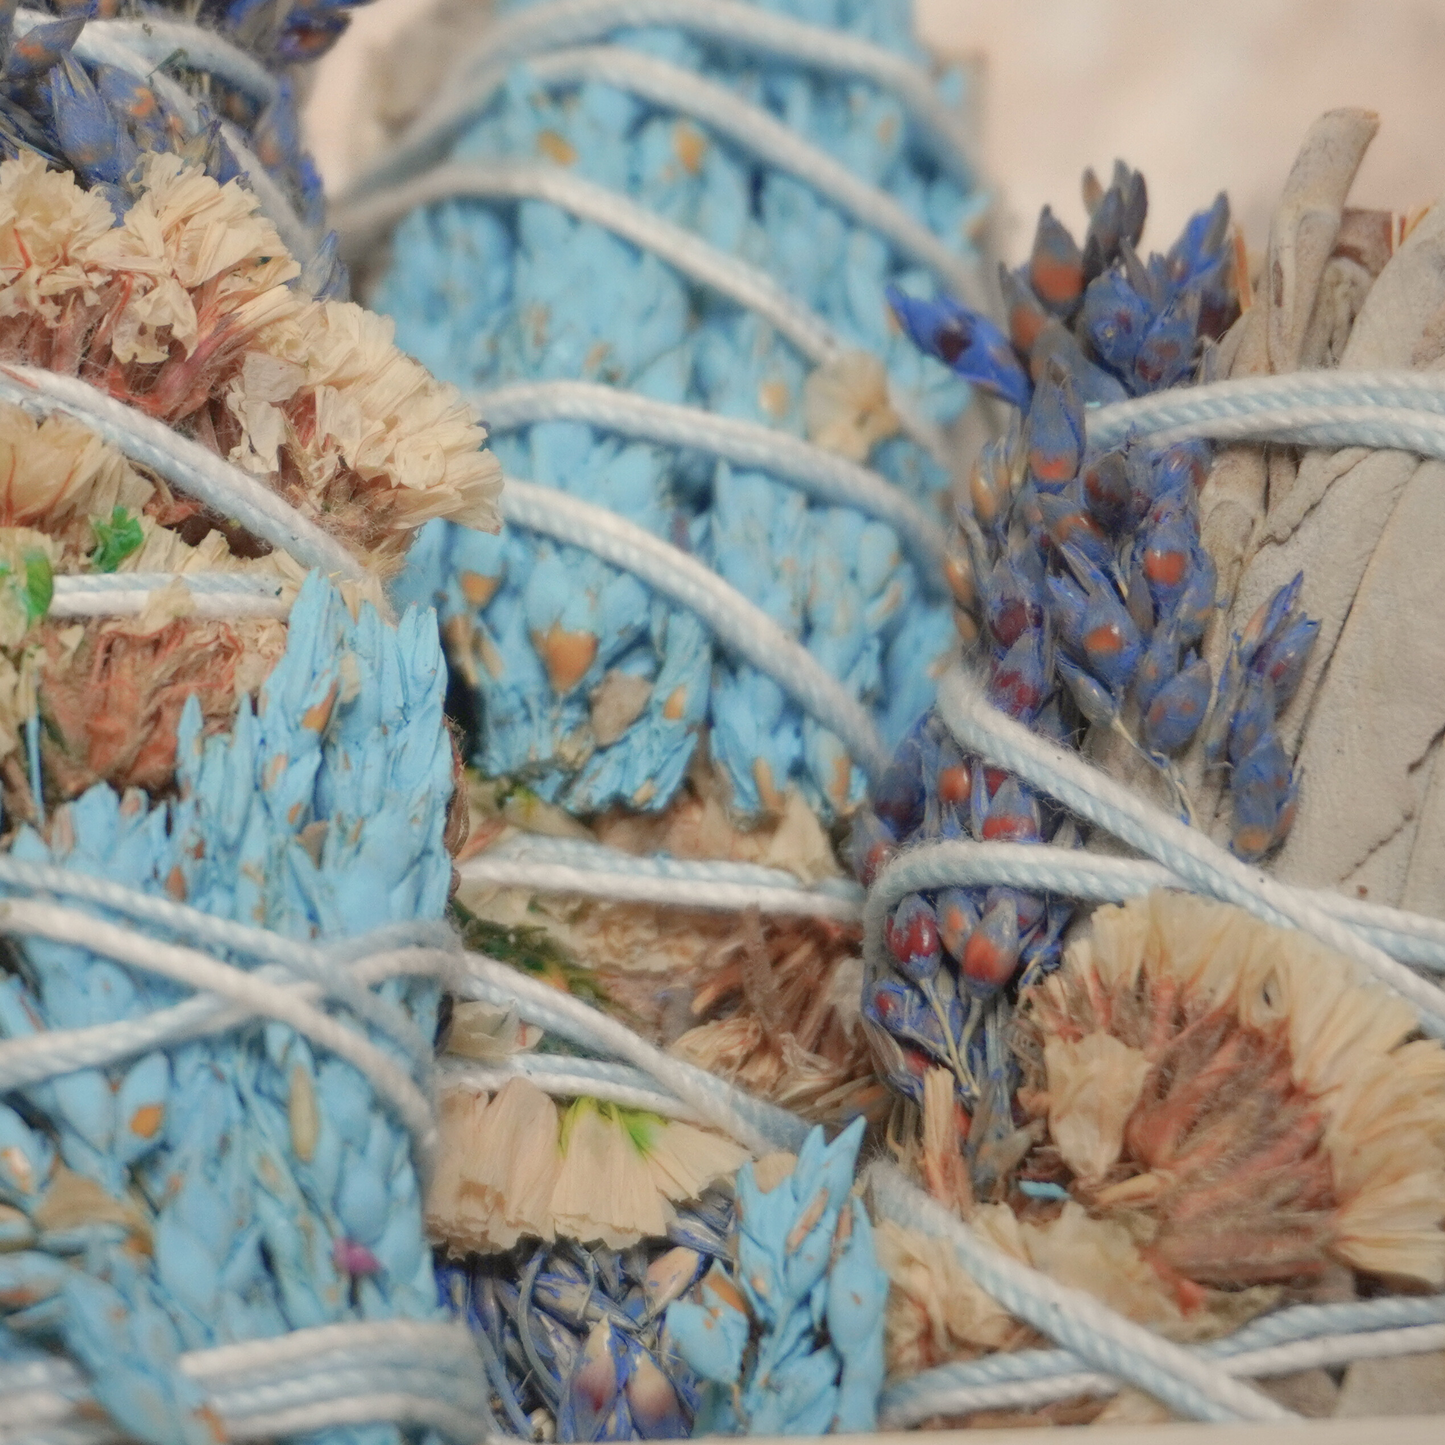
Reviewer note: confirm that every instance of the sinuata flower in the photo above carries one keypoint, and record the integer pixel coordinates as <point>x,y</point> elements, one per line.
<point>1241,1088</point>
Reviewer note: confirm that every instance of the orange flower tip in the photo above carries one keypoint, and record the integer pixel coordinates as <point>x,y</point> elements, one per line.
<point>690,145</point>
<point>478,588</point>
<point>556,148</point>
<point>1165,568</point>
<point>567,656</point>
<point>1104,641</point>
<point>147,1120</point>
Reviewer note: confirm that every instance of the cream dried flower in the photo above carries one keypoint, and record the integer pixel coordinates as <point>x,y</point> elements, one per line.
<point>1286,1117</point>
<point>489,1033</point>
<point>344,401</point>
<point>500,1159</point>
<point>513,1167</point>
<point>53,468</point>
<point>846,406</point>
<point>47,226</point>
<point>186,232</point>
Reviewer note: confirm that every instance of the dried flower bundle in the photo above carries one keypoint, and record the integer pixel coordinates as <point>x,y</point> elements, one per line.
<point>1237,1090</point>
<point>769,1003</point>
<point>789,1341</point>
<point>236,1186</point>
<point>184,310</point>
<point>207,1188</point>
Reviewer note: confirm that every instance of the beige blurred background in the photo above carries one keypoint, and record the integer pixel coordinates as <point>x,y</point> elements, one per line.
<point>1201,95</point>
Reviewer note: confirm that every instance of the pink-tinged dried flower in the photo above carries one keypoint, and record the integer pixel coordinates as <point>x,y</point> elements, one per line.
<point>183,311</point>
<point>359,433</point>
<point>111,695</point>
<point>1245,1091</point>
<point>47,225</point>
<point>780,1002</point>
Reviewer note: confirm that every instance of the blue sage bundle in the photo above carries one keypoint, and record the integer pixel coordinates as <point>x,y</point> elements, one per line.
<point>218,764</point>
<point>623,244</point>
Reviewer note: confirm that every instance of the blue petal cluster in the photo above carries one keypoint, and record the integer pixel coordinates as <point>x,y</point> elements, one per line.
<point>1261,674</point>
<point>1092,591</point>
<point>275,1191</point>
<point>488,294</point>
<point>790,1341</point>
<point>97,119</point>
<point>578,1332</point>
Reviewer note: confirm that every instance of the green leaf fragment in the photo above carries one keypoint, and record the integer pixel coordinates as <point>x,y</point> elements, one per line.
<point>115,540</point>
<point>39,585</point>
<point>533,950</point>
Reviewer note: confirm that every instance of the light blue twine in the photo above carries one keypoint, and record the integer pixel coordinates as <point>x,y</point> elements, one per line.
<point>952,1389</point>
<point>1385,410</point>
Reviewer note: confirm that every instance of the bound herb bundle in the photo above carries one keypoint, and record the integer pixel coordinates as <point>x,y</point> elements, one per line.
<point>196,733</point>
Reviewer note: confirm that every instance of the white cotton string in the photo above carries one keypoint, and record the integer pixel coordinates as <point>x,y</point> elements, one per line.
<point>1203,866</point>
<point>1036,1377</point>
<point>186,464</point>
<point>156,41</point>
<point>626,878</point>
<point>741,26</point>
<point>1380,428</point>
<point>360,222</point>
<point>823,475</point>
<point>548,27</point>
<point>917,1399</point>
<point>249,1382</point>
<point>231,583</point>
<point>1241,406</point>
<point>208,930</point>
<point>1101,878</point>
<point>219,595</point>
<point>1383,410</point>
<point>1385,1326</point>
<point>672,87</point>
<point>755,1124</point>
<point>398,1340</point>
<point>584,853</point>
<point>739,625</point>
<point>560,1077</point>
<point>363,1409</point>
<point>259,996</point>
<point>45,1055</point>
